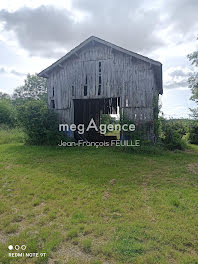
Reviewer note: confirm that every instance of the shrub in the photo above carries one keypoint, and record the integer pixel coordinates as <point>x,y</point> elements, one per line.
<point>7,113</point>
<point>171,136</point>
<point>193,133</point>
<point>39,123</point>
<point>141,132</point>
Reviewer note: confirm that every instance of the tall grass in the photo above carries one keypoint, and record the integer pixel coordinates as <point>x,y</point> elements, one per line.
<point>11,135</point>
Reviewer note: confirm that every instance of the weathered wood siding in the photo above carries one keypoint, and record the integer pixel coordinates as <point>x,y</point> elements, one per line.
<point>122,76</point>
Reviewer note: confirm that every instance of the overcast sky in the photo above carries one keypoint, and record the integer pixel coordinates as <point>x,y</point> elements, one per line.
<point>35,33</point>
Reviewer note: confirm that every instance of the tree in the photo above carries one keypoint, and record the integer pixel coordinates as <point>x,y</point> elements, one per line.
<point>34,87</point>
<point>4,96</point>
<point>193,82</point>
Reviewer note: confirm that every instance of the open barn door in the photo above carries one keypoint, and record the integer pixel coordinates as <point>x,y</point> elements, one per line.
<point>86,109</point>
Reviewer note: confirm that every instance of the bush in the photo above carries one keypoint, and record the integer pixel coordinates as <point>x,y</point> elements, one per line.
<point>39,123</point>
<point>7,113</point>
<point>141,132</point>
<point>192,135</point>
<point>171,135</point>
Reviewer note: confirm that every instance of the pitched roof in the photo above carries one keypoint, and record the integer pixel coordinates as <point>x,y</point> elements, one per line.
<point>156,64</point>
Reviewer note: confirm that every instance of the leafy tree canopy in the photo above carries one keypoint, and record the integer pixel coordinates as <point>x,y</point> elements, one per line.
<point>34,87</point>
<point>4,96</point>
<point>193,82</point>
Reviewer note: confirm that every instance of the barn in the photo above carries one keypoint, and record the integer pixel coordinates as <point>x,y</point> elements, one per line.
<point>98,77</point>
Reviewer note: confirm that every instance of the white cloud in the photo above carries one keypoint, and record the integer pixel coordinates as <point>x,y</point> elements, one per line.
<point>176,78</point>
<point>7,71</point>
<point>50,31</point>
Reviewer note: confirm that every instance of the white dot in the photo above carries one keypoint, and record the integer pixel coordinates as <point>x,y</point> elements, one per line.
<point>10,247</point>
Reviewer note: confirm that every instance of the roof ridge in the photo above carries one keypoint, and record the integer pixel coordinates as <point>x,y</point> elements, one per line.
<point>86,41</point>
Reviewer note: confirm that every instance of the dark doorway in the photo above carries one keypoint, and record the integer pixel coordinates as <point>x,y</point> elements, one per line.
<point>86,109</point>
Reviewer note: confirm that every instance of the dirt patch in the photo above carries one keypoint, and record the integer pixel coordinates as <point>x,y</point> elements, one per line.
<point>189,151</point>
<point>112,181</point>
<point>106,195</point>
<point>69,252</point>
<point>3,238</point>
<point>193,167</point>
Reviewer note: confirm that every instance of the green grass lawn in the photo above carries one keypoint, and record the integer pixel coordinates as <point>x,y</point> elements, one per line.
<point>88,205</point>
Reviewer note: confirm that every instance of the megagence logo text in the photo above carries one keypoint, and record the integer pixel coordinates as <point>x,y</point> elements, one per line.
<point>103,128</point>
